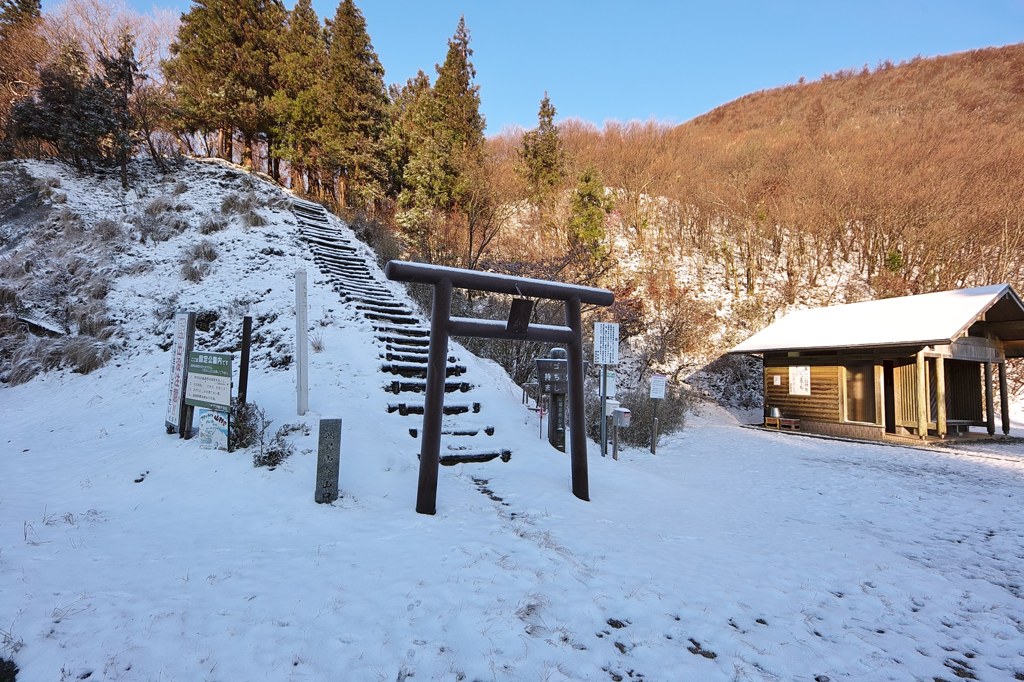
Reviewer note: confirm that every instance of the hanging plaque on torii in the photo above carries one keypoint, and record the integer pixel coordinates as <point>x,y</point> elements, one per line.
<point>517,327</point>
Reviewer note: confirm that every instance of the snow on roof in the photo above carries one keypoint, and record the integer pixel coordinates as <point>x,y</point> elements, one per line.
<point>908,320</point>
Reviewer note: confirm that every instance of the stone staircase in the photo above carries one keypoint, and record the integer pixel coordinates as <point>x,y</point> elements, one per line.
<point>403,339</point>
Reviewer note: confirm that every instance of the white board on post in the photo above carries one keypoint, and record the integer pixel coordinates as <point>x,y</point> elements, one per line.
<point>658,383</point>
<point>606,343</point>
<point>179,368</point>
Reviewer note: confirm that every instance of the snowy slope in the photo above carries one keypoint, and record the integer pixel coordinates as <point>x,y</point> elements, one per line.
<point>734,554</point>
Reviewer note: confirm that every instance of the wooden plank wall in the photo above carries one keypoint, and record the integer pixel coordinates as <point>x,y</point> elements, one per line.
<point>905,391</point>
<point>823,404</point>
<point>964,390</point>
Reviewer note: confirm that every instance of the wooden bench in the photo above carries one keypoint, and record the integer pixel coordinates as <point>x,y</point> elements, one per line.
<point>781,422</point>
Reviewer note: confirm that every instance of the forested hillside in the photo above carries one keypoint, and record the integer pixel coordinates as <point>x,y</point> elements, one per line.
<point>888,180</point>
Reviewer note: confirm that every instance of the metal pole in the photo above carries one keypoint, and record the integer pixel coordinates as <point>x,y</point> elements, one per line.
<point>604,420</point>
<point>577,416</point>
<point>654,428</point>
<point>433,403</point>
<point>654,443</point>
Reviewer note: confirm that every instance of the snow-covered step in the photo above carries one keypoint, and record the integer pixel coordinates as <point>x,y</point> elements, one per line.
<point>342,285</point>
<point>475,457</point>
<point>413,370</point>
<point>487,430</point>
<point>395,309</point>
<point>396,319</point>
<point>412,386</point>
<point>406,331</point>
<point>449,408</point>
<point>377,300</point>
<point>347,263</point>
<point>412,358</point>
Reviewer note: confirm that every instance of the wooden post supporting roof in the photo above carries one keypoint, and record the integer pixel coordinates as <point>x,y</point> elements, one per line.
<point>1004,399</point>
<point>922,396</point>
<point>940,396</point>
<point>990,398</point>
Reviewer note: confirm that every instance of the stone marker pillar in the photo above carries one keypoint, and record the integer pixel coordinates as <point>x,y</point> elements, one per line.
<point>327,461</point>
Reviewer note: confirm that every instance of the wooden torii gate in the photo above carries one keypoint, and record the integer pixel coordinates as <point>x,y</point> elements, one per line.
<point>517,327</point>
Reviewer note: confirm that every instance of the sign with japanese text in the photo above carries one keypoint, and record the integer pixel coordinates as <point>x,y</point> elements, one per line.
<point>553,375</point>
<point>209,380</point>
<point>178,368</point>
<point>658,382</point>
<point>800,380</point>
<point>606,343</point>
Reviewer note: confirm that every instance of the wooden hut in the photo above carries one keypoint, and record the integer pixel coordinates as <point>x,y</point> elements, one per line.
<point>915,366</point>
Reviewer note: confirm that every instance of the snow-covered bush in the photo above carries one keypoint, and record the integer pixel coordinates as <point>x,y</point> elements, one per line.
<point>159,221</point>
<point>248,425</point>
<point>248,428</point>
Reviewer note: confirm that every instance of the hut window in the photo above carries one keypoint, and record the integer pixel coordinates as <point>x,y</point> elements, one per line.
<point>860,393</point>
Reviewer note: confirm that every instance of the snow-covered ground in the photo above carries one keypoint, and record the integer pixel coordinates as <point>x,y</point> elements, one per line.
<point>734,554</point>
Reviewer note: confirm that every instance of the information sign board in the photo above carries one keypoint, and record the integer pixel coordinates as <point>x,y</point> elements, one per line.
<point>606,343</point>
<point>553,375</point>
<point>209,380</point>
<point>658,382</point>
<point>799,380</point>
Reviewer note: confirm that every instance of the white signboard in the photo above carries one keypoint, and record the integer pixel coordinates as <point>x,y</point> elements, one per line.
<point>658,382</point>
<point>178,368</point>
<point>606,343</point>
<point>800,380</point>
<point>611,384</point>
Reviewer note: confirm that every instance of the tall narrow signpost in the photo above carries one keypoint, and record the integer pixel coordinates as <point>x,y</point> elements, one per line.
<point>606,352</point>
<point>553,377</point>
<point>184,338</point>
<point>657,395</point>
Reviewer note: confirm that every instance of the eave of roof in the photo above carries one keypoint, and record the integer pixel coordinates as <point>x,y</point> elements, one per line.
<point>922,320</point>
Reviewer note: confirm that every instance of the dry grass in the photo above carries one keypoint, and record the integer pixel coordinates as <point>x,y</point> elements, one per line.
<point>211,224</point>
<point>195,271</point>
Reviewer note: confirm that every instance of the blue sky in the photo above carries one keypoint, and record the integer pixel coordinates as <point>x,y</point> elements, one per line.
<point>670,61</point>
